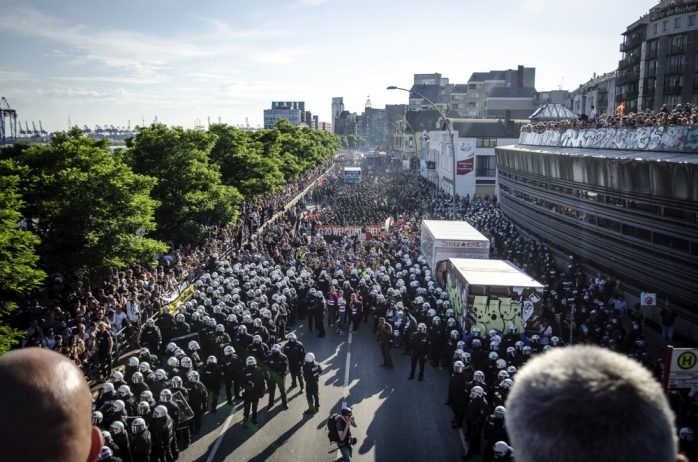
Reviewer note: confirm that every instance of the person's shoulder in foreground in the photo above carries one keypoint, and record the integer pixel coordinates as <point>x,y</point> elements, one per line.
<point>589,404</point>
<point>45,409</point>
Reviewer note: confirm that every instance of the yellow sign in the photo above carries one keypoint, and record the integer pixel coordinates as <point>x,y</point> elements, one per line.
<point>183,297</point>
<point>687,360</point>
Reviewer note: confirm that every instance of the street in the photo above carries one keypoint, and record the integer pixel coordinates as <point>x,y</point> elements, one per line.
<point>396,419</point>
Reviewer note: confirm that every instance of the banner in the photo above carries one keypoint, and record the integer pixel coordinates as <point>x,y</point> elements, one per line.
<point>183,297</point>
<point>350,230</point>
<point>465,156</point>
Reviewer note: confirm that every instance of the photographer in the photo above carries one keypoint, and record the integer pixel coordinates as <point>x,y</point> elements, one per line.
<point>346,441</point>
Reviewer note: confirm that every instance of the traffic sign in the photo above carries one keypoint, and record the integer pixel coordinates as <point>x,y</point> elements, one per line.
<point>683,369</point>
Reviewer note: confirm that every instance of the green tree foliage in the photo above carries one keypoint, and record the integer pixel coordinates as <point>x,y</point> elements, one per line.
<point>91,211</point>
<point>189,190</point>
<point>18,259</point>
<point>242,162</point>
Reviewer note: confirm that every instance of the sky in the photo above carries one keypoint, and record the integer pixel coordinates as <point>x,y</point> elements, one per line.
<point>111,62</point>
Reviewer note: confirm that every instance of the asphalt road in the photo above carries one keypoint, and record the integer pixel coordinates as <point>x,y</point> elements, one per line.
<point>397,419</point>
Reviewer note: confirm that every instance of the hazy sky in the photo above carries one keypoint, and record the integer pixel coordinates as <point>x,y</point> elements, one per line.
<point>108,62</point>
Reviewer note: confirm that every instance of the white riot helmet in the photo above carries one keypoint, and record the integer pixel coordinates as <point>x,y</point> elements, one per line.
<point>422,328</point>
<point>251,361</point>
<point>458,366</point>
<point>133,361</point>
<point>309,358</point>
<point>194,345</point>
<point>211,360</point>
<point>257,339</point>
<point>500,412</point>
<point>165,396</point>
<point>276,347</point>
<point>501,364</point>
<point>160,374</point>
<point>502,375</point>
<point>228,350</point>
<point>117,376</point>
<point>477,392</point>
<point>193,376</point>
<point>118,406</point>
<point>507,383</point>
<point>500,449</point>
<point>105,453</point>
<point>186,362</point>
<point>159,412</point>
<point>687,434</point>
<point>124,391</point>
<point>291,337</point>
<point>117,428</point>
<point>137,377</point>
<point>479,376</point>
<point>138,426</point>
<point>143,408</point>
<point>97,418</point>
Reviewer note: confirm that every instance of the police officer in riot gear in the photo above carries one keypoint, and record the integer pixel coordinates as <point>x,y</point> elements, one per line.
<point>252,383</point>
<point>311,374</point>
<point>212,377</point>
<point>232,366</point>
<point>295,352</point>
<point>278,367</point>
<point>419,350</point>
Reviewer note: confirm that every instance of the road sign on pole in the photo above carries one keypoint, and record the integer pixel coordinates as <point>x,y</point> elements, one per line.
<point>682,368</point>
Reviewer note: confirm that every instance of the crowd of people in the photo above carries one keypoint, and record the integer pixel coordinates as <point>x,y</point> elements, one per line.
<point>87,324</point>
<point>685,114</point>
<point>232,337</point>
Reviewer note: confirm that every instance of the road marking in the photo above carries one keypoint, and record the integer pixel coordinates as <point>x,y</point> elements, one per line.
<point>226,425</point>
<point>345,390</point>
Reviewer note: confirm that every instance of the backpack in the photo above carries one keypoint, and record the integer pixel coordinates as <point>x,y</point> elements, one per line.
<point>332,432</point>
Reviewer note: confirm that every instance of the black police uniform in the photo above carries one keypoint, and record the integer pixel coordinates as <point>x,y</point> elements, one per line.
<point>419,350</point>
<point>295,352</point>
<point>278,368</point>
<point>311,374</point>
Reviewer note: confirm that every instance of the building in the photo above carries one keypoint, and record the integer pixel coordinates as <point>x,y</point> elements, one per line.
<point>337,107</point>
<point>433,87</point>
<point>599,92</point>
<point>346,123</point>
<point>659,57</point>
<point>293,111</point>
<point>511,102</point>
<point>458,106</point>
<point>474,141</point>
<point>325,126</point>
<point>625,206</point>
<point>396,126</point>
<point>481,85</point>
<point>372,126</point>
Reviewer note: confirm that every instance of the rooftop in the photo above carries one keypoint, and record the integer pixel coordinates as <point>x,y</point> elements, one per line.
<point>619,154</point>
<point>453,230</point>
<point>493,273</point>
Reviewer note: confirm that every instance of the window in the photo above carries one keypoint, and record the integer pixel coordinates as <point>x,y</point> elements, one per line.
<point>665,26</point>
<point>486,142</point>
<point>485,166</point>
<point>639,233</point>
<point>485,181</point>
<point>671,242</point>
<point>472,86</point>
<point>692,20</point>
<point>677,23</point>
<point>656,28</point>
<point>608,224</point>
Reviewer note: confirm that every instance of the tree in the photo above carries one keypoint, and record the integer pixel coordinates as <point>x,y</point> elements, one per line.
<point>18,259</point>
<point>91,211</point>
<point>242,163</point>
<point>190,193</point>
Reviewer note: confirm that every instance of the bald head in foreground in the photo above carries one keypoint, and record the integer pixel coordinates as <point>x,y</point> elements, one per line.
<point>589,404</point>
<point>45,409</point>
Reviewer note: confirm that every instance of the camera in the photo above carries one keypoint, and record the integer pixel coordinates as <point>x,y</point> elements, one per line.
<point>353,440</point>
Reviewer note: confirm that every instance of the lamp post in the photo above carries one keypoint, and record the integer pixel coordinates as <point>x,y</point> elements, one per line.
<point>450,134</point>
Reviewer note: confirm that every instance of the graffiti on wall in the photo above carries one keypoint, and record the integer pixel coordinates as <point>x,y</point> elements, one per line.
<point>673,139</point>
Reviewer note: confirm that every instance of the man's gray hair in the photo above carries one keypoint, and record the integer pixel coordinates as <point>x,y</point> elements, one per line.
<point>588,404</point>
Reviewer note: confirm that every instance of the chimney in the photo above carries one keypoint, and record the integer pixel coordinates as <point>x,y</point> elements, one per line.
<point>520,77</point>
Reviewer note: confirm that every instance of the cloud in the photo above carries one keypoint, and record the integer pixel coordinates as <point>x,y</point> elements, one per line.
<point>311,3</point>
<point>6,76</point>
<point>532,6</point>
<point>281,55</point>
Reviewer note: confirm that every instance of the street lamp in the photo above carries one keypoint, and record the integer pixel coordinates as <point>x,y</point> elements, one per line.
<point>450,133</point>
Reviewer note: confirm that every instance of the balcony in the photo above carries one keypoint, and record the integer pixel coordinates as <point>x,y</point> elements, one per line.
<point>632,42</point>
<point>648,91</point>
<point>631,94</point>
<point>628,76</point>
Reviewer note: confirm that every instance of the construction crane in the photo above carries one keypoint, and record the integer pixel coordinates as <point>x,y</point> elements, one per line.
<point>35,132</point>
<point>8,122</point>
<point>41,129</point>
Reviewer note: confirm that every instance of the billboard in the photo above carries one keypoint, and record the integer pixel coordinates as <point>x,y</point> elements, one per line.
<point>465,156</point>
